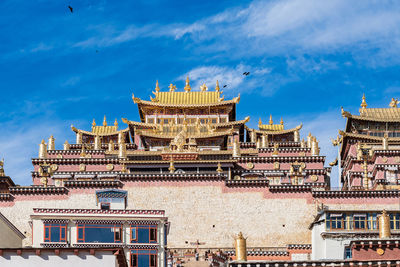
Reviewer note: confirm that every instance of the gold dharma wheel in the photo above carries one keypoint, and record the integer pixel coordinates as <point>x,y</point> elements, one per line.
<point>250,165</point>
<point>380,251</point>
<point>109,167</point>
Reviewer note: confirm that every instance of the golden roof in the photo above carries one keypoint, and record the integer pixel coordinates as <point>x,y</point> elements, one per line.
<point>101,130</point>
<point>186,98</point>
<point>391,114</point>
<point>275,132</point>
<point>216,125</point>
<point>271,126</point>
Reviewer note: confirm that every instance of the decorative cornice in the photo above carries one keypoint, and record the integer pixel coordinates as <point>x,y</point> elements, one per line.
<point>76,161</point>
<point>54,245</point>
<point>98,211</point>
<point>247,183</point>
<point>37,190</point>
<point>299,246</point>
<point>356,194</point>
<point>55,220</point>
<point>173,176</point>
<point>93,183</point>
<point>6,197</point>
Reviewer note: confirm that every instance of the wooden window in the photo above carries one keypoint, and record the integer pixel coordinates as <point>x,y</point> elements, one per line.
<point>153,234</point>
<point>359,221</point>
<point>55,232</point>
<point>133,234</point>
<point>395,221</point>
<point>99,233</point>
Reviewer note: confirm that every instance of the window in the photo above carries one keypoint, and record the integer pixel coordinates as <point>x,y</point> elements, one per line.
<point>359,221</point>
<point>153,234</point>
<point>55,232</point>
<point>143,233</point>
<point>372,221</point>
<point>133,234</point>
<point>347,253</point>
<point>336,221</point>
<point>99,233</point>
<point>395,221</point>
<point>143,258</point>
<point>105,206</point>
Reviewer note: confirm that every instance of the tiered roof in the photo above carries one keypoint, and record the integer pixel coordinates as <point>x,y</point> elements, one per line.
<point>101,130</point>
<point>188,98</point>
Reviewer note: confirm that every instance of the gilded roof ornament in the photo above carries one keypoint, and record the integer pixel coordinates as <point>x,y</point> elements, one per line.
<point>217,86</point>
<point>2,167</point>
<point>116,123</point>
<point>187,85</point>
<point>259,122</point>
<point>363,104</point>
<point>172,88</point>
<point>394,103</point>
<point>104,121</point>
<point>270,120</point>
<point>157,87</point>
<point>93,123</point>
<point>281,121</point>
<point>203,87</point>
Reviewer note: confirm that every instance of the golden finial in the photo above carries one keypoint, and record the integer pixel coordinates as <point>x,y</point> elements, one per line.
<point>363,103</point>
<point>259,122</point>
<point>217,86</point>
<point>394,103</point>
<point>116,123</point>
<point>187,86</point>
<point>104,121</point>
<point>203,87</point>
<point>270,120</point>
<point>2,167</point>
<point>157,87</point>
<point>171,167</point>
<point>281,121</point>
<point>172,88</point>
<point>219,168</point>
<point>93,123</point>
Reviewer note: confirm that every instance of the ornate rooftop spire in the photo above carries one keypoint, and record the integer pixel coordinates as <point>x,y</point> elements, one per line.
<point>270,120</point>
<point>187,86</point>
<point>259,122</point>
<point>93,123</point>
<point>116,123</point>
<point>363,103</point>
<point>217,86</point>
<point>172,88</point>
<point>203,87</point>
<point>157,87</point>
<point>281,121</point>
<point>104,121</point>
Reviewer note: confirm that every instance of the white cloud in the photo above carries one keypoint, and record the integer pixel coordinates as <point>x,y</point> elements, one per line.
<point>19,142</point>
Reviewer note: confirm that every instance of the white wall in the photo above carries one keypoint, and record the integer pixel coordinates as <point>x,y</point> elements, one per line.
<point>67,259</point>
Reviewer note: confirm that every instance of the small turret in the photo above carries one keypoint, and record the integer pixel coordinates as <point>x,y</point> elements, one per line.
<point>309,140</point>
<point>111,146</point>
<point>296,136</point>
<point>51,144</point>
<point>122,151</point>
<point>236,149</point>
<point>240,248</point>
<point>42,150</point>
<point>264,140</point>
<point>385,142</point>
<point>384,225</point>
<point>66,145</point>
<point>97,142</point>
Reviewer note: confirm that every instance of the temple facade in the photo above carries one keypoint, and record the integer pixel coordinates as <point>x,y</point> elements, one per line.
<point>213,175</point>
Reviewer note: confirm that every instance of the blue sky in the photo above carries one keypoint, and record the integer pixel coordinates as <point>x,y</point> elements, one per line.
<point>307,58</point>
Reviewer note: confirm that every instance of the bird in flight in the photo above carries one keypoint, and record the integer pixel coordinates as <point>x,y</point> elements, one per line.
<point>71,9</point>
<point>246,73</point>
<point>224,86</point>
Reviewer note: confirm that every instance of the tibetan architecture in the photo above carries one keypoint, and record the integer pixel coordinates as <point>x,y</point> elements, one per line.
<point>370,148</point>
<point>212,174</point>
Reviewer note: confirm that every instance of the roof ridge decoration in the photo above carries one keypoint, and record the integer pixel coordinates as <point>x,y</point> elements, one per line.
<point>271,126</point>
<point>188,97</point>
